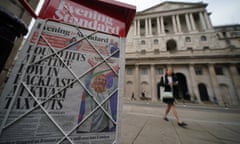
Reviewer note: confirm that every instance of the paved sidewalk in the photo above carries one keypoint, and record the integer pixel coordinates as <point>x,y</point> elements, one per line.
<point>143,124</point>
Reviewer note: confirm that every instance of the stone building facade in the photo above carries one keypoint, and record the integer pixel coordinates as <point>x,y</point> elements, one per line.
<point>206,59</point>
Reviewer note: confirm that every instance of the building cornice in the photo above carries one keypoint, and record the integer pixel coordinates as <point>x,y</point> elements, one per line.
<point>194,8</point>
<point>194,5</point>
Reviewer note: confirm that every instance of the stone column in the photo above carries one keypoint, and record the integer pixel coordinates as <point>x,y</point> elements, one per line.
<point>207,19</point>
<point>138,28</point>
<point>195,94</point>
<point>202,21</point>
<point>150,26</point>
<point>158,26</point>
<point>214,82</point>
<point>178,24</point>
<point>136,91</point>
<point>174,24</point>
<point>235,81</point>
<point>135,27</point>
<point>146,27</point>
<point>162,25</point>
<point>153,83</point>
<point>192,22</point>
<point>188,22</point>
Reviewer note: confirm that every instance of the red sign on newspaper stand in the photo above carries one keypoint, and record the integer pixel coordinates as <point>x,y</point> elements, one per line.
<point>67,83</point>
<point>106,16</point>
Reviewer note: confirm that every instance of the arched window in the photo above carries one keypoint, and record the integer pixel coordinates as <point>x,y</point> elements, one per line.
<point>155,41</point>
<point>171,45</point>
<point>203,38</point>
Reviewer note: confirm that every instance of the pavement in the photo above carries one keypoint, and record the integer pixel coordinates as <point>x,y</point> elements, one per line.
<point>142,123</point>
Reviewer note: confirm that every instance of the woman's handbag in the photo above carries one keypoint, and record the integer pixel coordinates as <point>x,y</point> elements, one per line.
<point>167,95</point>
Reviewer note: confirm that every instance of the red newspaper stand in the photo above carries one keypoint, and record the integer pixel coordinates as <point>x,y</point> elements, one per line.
<point>67,83</point>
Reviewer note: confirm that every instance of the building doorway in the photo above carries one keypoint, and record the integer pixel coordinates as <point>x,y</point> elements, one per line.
<point>183,92</point>
<point>203,92</point>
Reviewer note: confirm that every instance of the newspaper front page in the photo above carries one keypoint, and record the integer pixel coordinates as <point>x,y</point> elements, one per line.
<point>63,88</point>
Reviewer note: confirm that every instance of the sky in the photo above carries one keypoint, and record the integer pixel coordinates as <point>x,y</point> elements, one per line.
<point>224,12</point>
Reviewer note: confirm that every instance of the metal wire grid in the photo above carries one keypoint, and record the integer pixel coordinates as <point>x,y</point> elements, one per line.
<point>40,104</point>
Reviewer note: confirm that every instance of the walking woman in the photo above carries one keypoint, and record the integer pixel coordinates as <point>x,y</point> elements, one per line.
<point>170,85</point>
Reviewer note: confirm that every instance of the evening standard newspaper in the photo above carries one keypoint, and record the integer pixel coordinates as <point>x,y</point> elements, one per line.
<point>63,87</point>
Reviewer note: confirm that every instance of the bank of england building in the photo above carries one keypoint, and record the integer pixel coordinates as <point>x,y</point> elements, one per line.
<point>205,58</point>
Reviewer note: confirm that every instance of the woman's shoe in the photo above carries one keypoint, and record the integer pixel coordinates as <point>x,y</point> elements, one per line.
<point>182,124</point>
<point>166,119</point>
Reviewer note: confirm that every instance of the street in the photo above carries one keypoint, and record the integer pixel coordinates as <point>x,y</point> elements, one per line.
<point>142,123</point>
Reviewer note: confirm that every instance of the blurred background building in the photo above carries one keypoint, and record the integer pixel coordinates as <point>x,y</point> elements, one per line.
<point>206,59</point>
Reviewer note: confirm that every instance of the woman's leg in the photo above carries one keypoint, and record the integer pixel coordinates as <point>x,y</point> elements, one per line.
<point>175,113</point>
<point>167,110</point>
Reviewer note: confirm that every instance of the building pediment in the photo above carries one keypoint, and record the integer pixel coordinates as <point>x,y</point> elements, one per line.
<point>172,6</point>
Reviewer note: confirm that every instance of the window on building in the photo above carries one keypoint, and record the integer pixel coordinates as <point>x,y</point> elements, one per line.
<point>144,71</point>
<point>198,70</point>
<point>143,51</point>
<point>189,48</point>
<point>166,31</point>
<point>203,38</point>
<point>235,34</point>
<point>205,48</point>
<point>155,41</point>
<point>129,71</point>
<point>143,42</point>
<point>224,34</point>
<point>187,39</point>
<point>219,70</point>
<point>160,71</point>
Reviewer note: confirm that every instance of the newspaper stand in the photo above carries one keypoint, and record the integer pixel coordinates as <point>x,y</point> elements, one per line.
<point>67,84</point>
